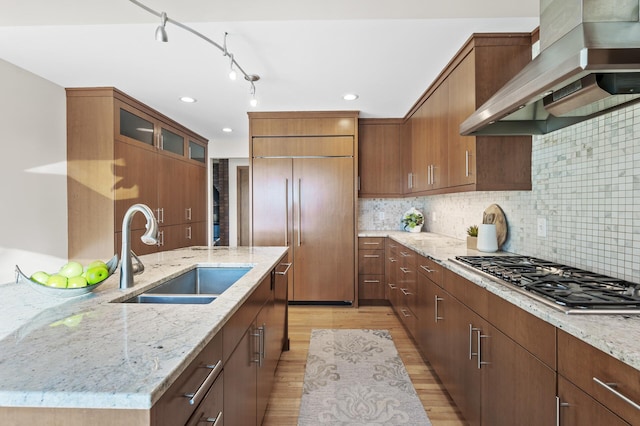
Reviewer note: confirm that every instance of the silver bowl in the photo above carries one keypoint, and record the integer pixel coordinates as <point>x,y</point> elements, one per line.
<point>112,264</point>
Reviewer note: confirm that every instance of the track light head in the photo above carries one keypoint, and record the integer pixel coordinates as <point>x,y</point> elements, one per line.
<point>161,32</point>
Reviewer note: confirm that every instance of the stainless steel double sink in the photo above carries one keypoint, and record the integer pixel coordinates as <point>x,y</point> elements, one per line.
<point>201,285</point>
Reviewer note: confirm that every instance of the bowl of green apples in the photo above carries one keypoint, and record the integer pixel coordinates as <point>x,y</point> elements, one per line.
<point>72,279</point>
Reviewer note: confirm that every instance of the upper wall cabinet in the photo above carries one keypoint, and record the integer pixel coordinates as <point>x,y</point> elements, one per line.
<point>379,158</point>
<point>436,158</point>
<point>486,163</point>
<point>119,153</point>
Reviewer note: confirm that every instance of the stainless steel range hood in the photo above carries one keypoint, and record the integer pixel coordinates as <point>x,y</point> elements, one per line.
<point>589,65</point>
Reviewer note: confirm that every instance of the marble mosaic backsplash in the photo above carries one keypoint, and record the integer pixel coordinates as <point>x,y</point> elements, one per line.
<point>585,187</point>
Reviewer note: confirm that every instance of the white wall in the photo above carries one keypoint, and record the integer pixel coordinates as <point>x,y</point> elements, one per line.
<point>33,183</point>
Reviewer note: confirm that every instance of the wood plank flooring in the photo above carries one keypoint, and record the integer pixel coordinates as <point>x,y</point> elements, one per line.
<point>285,399</point>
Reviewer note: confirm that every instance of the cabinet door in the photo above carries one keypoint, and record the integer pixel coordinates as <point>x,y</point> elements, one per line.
<point>431,317</point>
<point>462,103</point>
<point>577,408</point>
<point>196,194</point>
<point>135,170</point>
<point>172,190</point>
<point>380,160</point>
<point>240,383</point>
<point>437,125</point>
<point>324,229</point>
<point>419,180</point>
<point>272,201</point>
<point>461,375</point>
<point>515,384</point>
<point>269,353</point>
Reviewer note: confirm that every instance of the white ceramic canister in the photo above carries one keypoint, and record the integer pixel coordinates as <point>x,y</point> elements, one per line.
<point>487,238</point>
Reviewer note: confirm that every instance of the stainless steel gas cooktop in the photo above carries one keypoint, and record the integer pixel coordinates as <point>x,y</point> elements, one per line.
<point>571,290</point>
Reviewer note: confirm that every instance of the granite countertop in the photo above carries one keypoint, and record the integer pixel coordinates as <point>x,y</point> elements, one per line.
<point>89,352</point>
<point>617,335</point>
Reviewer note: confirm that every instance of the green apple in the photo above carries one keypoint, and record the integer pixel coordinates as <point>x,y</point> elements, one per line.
<point>71,269</point>
<point>76,282</point>
<point>57,280</point>
<point>97,274</point>
<point>96,263</point>
<point>40,277</point>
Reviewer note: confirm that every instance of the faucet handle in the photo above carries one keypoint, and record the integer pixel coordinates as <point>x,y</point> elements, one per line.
<point>138,267</point>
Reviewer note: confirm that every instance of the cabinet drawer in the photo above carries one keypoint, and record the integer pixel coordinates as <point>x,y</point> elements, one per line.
<point>371,243</point>
<point>430,269</point>
<point>371,262</point>
<point>581,409</point>
<point>210,409</point>
<point>174,407</point>
<point>371,287</point>
<point>586,366</point>
<point>391,247</point>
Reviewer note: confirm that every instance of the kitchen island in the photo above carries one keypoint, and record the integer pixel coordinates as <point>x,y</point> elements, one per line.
<point>92,352</point>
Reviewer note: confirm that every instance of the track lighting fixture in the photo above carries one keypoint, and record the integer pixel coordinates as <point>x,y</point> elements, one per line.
<point>161,35</point>
<point>161,32</point>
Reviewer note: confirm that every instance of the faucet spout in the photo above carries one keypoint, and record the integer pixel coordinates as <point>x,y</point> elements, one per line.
<point>127,269</point>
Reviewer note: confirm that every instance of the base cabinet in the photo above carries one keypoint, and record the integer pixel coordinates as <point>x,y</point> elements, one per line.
<point>371,263</point>
<point>595,382</point>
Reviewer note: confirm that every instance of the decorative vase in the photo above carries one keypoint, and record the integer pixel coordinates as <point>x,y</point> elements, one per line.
<point>472,242</point>
<point>416,228</point>
<point>487,238</point>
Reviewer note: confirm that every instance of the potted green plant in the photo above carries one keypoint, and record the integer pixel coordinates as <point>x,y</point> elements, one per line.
<point>413,220</point>
<point>472,237</point>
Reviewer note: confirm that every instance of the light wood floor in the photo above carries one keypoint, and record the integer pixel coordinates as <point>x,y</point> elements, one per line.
<point>285,399</point>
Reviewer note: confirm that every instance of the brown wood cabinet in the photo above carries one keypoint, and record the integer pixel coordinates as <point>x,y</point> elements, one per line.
<point>371,274</point>
<point>435,157</point>
<point>601,385</point>
<point>254,339</point>
<point>486,163</point>
<point>121,152</point>
<point>379,158</point>
<point>303,190</point>
<point>403,295</point>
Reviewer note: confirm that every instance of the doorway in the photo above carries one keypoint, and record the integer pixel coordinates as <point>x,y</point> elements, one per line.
<point>243,205</point>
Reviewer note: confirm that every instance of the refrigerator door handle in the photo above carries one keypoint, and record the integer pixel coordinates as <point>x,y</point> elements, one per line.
<point>299,212</point>
<point>286,212</point>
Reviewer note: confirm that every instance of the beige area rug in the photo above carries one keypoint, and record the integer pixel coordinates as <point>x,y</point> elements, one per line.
<point>356,377</point>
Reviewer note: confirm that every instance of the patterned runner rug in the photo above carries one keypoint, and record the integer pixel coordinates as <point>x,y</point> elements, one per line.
<point>356,377</point>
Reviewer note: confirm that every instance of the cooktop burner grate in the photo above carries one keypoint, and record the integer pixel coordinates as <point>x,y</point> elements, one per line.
<point>564,286</point>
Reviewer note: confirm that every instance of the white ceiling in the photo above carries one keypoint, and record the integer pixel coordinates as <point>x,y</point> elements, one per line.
<point>307,53</point>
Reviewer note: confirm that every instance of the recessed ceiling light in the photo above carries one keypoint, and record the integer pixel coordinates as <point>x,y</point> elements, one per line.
<point>188,99</point>
<point>227,129</point>
<point>350,97</point>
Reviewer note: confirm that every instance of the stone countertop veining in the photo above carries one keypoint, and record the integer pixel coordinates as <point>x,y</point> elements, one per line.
<point>617,335</point>
<point>87,352</point>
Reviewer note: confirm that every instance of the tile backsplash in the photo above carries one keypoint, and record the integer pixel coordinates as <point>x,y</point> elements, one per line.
<point>585,187</point>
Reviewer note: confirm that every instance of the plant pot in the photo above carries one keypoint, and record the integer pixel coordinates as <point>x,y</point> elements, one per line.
<point>472,242</point>
<point>416,228</point>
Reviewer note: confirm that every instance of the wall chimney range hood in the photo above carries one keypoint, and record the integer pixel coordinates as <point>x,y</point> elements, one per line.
<point>589,65</point>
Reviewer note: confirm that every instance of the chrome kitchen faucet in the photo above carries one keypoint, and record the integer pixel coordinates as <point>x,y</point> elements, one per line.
<point>150,237</point>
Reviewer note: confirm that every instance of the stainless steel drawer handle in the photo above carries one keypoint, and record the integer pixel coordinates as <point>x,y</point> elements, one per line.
<point>206,384</point>
<point>391,286</point>
<point>371,244</point>
<point>372,281</point>
<point>405,292</point>
<point>405,270</point>
<point>438,299</point>
<point>426,268</point>
<point>288,265</point>
<point>404,313</point>
<point>559,404</point>
<point>480,337</point>
<point>371,255</point>
<point>610,387</point>
<point>215,421</point>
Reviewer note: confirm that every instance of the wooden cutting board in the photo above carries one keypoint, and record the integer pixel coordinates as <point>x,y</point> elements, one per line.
<point>494,215</point>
